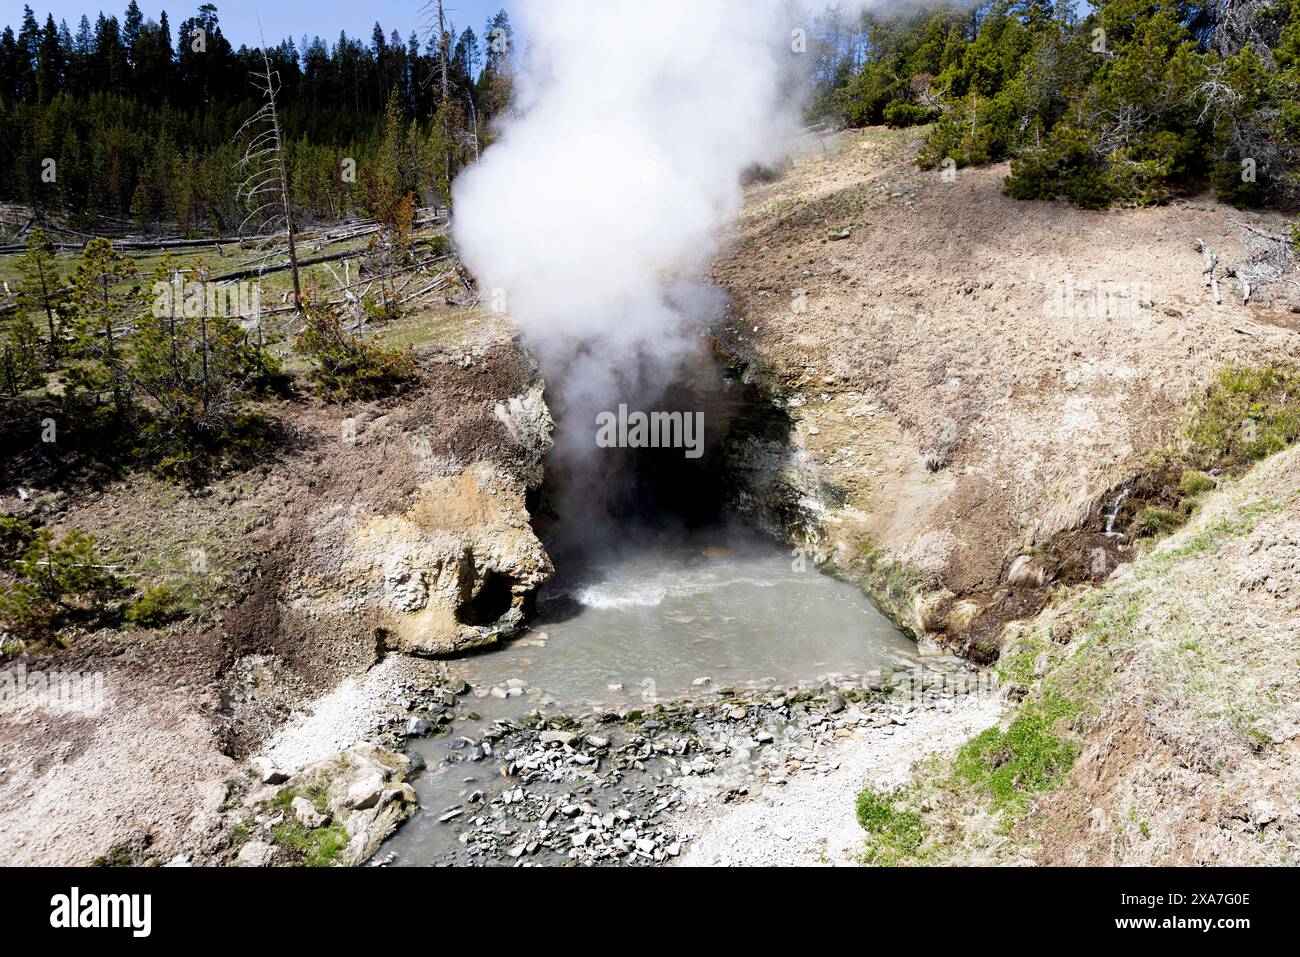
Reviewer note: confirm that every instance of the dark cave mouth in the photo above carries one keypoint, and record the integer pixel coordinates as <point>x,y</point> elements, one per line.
<point>614,496</point>
<point>490,602</point>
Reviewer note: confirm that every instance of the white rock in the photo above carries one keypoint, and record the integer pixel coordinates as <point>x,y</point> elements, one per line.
<point>366,792</point>
<point>267,772</point>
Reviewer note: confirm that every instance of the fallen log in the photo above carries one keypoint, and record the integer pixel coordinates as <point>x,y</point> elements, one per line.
<point>1211,261</point>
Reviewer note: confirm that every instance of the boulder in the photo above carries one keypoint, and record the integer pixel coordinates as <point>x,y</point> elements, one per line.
<point>366,791</point>
<point>256,854</point>
<point>267,772</point>
<point>307,814</point>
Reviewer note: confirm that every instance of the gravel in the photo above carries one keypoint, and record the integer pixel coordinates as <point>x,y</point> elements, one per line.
<point>811,819</point>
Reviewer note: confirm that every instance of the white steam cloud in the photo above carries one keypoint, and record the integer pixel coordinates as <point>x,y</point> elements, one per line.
<point>595,215</point>
<point>603,198</point>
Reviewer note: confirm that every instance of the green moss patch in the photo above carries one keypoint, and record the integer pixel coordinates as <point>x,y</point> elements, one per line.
<point>894,836</point>
<point>1010,766</point>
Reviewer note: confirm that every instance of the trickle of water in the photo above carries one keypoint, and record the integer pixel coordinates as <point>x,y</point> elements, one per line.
<point>1113,512</point>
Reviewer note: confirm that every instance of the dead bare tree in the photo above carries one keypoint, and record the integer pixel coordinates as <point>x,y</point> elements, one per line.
<point>1211,261</point>
<point>1270,267</point>
<point>433,11</point>
<point>1238,23</point>
<point>265,189</point>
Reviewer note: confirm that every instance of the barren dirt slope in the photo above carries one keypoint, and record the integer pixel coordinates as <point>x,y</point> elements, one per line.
<point>938,381</point>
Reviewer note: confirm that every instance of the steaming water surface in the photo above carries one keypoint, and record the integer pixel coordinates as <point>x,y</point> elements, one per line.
<point>645,621</point>
<point>663,611</point>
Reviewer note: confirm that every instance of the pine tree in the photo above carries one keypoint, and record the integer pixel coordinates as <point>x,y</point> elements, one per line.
<point>99,303</point>
<point>39,287</point>
<point>194,373</point>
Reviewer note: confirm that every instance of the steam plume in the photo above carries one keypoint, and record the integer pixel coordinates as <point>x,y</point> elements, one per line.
<point>598,210</point>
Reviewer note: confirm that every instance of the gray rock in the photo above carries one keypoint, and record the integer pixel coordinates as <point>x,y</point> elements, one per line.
<point>256,854</point>
<point>557,737</point>
<point>418,726</point>
<point>307,814</point>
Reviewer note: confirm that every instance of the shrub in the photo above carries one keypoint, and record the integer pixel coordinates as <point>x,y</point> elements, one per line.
<point>157,605</point>
<point>22,355</point>
<point>50,577</point>
<point>1193,483</point>
<point>1064,166</point>
<point>1156,521</point>
<point>196,375</point>
<point>900,113</point>
<point>347,367</point>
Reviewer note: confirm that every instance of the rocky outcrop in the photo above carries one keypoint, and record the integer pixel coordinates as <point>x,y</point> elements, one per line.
<point>332,812</point>
<point>454,566</point>
<point>456,571</point>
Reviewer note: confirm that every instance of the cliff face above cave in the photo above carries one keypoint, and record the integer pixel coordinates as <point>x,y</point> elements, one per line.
<point>966,375</point>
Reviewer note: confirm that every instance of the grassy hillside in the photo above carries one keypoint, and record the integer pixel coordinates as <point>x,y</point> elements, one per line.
<point>1157,722</point>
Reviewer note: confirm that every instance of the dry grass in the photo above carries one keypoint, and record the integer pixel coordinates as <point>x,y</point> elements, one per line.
<point>1177,684</point>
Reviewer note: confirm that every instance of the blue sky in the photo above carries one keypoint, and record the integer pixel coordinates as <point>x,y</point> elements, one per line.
<point>280,19</point>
